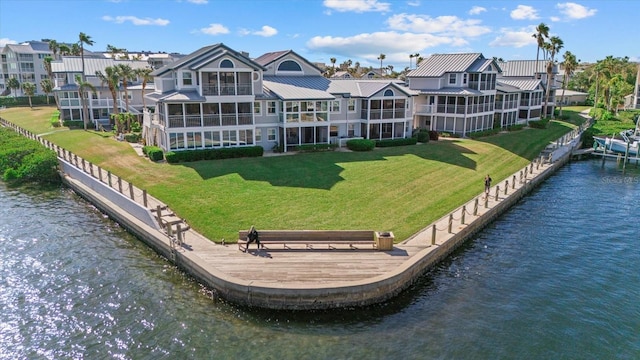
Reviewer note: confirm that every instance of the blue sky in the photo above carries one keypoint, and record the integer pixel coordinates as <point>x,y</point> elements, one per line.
<point>359,30</point>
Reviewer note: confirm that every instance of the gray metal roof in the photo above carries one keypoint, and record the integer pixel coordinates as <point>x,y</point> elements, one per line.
<point>526,85</point>
<point>177,96</point>
<point>73,64</point>
<point>366,87</point>
<point>452,91</point>
<point>523,68</point>
<point>203,56</point>
<point>506,88</point>
<point>298,87</point>
<point>272,57</point>
<point>438,64</point>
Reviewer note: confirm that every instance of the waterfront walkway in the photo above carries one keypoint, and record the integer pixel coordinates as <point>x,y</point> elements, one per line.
<point>300,278</point>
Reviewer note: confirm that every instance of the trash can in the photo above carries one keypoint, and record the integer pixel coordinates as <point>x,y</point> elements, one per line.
<point>384,240</point>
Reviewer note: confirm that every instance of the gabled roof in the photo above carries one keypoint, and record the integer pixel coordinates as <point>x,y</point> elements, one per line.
<point>523,68</point>
<point>274,56</point>
<point>438,64</point>
<point>526,85</point>
<point>366,87</point>
<point>502,87</point>
<point>178,96</point>
<point>205,55</point>
<point>73,64</point>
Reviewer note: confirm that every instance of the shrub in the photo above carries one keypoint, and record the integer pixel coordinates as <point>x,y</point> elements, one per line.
<point>433,135</point>
<point>73,123</point>
<point>539,124</point>
<point>132,137</point>
<point>153,152</point>
<point>173,157</point>
<point>396,142</point>
<point>423,136</point>
<point>479,134</point>
<point>361,145</point>
<point>315,147</point>
<point>24,160</point>
<point>515,127</point>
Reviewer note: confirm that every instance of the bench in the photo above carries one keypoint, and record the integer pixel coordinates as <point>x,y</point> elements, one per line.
<point>310,238</point>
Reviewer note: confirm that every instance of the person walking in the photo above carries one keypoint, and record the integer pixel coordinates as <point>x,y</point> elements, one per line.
<point>487,185</point>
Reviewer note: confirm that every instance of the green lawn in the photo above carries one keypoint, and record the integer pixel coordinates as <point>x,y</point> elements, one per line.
<point>400,189</point>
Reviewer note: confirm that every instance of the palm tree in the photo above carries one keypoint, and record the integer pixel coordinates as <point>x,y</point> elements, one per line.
<point>82,40</point>
<point>47,87</point>
<point>14,84</point>
<point>145,75</point>
<point>54,47</point>
<point>126,73</point>
<point>333,66</point>
<point>569,64</point>
<point>83,87</point>
<point>114,51</point>
<point>65,50</point>
<point>381,57</point>
<point>554,46</point>
<point>29,90</point>
<point>542,32</point>
<point>111,78</point>
<point>76,50</point>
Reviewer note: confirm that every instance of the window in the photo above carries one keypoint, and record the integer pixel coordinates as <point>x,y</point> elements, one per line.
<point>452,79</point>
<point>464,79</point>
<point>289,65</point>
<point>271,107</point>
<point>257,108</point>
<point>335,106</point>
<point>271,134</point>
<point>258,135</point>
<point>351,105</point>
<point>246,137</point>
<point>226,63</point>
<point>186,78</point>
<point>176,141</point>
<point>333,131</point>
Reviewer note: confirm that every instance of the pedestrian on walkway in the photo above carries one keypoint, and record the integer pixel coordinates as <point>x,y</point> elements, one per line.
<point>487,185</point>
<point>252,236</point>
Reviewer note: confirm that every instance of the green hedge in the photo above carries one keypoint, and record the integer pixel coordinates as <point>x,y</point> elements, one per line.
<point>422,136</point>
<point>314,147</point>
<point>24,160</point>
<point>132,137</point>
<point>396,142</point>
<point>539,124</point>
<point>361,145</point>
<point>213,154</point>
<point>73,123</point>
<point>10,101</point>
<point>479,134</point>
<point>153,152</point>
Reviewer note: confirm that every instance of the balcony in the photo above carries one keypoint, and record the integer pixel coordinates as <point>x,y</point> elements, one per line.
<point>425,109</point>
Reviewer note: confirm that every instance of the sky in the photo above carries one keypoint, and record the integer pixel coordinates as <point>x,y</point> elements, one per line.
<point>356,30</point>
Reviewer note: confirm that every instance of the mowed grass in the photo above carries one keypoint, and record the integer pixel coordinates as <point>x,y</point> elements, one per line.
<point>400,189</point>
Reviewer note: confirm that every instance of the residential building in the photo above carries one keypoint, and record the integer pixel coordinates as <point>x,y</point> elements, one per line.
<point>632,101</point>
<point>456,92</point>
<point>24,62</point>
<point>218,97</point>
<point>530,76</point>
<point>100,103</point>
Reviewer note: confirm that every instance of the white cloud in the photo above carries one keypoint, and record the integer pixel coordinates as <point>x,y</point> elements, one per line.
<point>555,18</point>
<point>215,29</point>
<point>477,10</point>
<point>136,20</point>
<point>445,25</point>
<point>198,2</point>
<point>524,12</point>
<point>514,38</point>
<point>5,41</point>
<point>575,11</point>
<point>413,3</point>
<point>357,6</point>
<point>266,31</point>
<point>368,46</point>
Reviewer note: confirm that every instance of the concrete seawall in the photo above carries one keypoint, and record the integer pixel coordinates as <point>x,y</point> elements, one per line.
<point>302,280</point>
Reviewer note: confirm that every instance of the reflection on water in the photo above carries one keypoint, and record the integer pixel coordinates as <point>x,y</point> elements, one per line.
<point>556,277</point>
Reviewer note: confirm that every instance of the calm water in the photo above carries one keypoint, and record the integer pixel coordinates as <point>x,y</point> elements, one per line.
<point>558,277</point>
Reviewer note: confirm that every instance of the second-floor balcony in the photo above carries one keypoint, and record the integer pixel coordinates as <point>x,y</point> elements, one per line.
<point>226,89</point>
<point>207,120</point>
<point>377,114</point>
